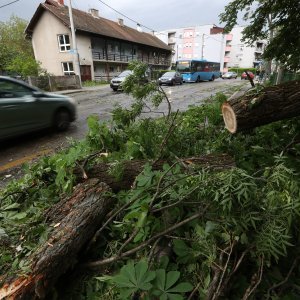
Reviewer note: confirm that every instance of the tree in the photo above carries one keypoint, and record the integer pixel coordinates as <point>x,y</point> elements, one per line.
<point>16,53</point>
<point>278,16</point>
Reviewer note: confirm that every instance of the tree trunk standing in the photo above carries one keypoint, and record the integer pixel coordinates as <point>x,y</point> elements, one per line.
<point>82,214</point>
<point>271,104</point>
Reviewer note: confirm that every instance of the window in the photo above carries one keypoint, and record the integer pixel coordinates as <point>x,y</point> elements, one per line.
<point>10,89</point>
<point>68,68</point>
<point>64,42</point>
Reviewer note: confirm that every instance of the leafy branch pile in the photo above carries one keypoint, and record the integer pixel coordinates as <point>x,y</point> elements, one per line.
<point>185,231</point>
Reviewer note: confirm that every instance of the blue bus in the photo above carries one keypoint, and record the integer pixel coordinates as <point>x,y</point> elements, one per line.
<point>195,70</point>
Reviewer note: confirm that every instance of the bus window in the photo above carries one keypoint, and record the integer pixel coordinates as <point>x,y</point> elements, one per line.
<point>183,66</point>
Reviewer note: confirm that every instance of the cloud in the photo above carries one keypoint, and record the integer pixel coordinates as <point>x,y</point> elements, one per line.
<point>156,14</point>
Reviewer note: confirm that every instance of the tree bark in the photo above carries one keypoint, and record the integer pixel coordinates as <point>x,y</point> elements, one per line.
<point>131,169</point>
<point>79,217</point>
<point>259,108</point>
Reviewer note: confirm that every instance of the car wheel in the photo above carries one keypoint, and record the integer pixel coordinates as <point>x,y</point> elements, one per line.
<point>172,82</point>
<point>180,82</point>
<point>61,120</point>
<point>212,79</point>
<point>115,89</point>
<point>198,79</point>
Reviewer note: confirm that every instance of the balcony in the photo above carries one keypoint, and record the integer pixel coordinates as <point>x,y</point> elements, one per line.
<point>120,58</point>
<point>228,37</point>
<point>258,50</point>
<point>171,40</point>
<point>226,59</point>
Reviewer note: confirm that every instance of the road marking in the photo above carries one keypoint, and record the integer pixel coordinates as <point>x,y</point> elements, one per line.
<point>23,160</point>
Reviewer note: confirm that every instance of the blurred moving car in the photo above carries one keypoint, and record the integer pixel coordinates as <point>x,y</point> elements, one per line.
<point>170,78</point>
<point>24,108</point>
<point>229,75</point>
<point>116,82</point>
<point>244,75</point>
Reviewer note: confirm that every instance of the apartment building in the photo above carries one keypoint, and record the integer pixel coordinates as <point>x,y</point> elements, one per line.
<point>210,43</point>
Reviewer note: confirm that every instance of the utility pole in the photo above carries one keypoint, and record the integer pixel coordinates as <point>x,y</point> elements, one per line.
<point>75,53</point>
<point>222,54</point>
<point>202,48</point>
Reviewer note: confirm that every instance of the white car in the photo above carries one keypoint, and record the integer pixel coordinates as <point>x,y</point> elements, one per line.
<point>229,75</point>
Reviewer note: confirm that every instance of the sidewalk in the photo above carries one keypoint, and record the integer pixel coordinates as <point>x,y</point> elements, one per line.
<point>83,89</point>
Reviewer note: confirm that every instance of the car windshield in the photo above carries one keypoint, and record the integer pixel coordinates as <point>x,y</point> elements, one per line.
<point>125,73</point>
<point>169,74</point>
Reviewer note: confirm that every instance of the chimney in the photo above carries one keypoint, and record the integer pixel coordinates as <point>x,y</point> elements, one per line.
<point>56,3</point>
<point>121,22</point>
<point>94,12</point>
<point>139,28</point>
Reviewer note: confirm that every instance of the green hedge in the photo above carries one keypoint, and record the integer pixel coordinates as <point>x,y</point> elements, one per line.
<point>155,74</point>
<point>239,71</point>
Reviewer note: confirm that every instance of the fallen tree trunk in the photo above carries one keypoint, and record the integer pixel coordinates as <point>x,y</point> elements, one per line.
<point>78,217</point>
<point>82,214</point>
<point>259,108</point>
<point>131,169</point>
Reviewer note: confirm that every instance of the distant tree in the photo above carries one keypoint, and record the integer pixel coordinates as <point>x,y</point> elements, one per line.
<point>16,53</point>
<point>277,20</point>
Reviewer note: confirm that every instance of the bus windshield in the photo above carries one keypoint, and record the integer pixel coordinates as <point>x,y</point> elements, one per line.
<point>183,66</point>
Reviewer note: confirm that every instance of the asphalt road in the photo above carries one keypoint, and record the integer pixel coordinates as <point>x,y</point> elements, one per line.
<point>100,101</point>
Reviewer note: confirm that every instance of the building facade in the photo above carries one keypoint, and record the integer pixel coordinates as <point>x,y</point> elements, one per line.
<point>210,43</point>
<point>104,47</point>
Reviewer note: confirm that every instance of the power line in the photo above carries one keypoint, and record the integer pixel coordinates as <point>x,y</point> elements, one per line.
<point>151,29</point>
<point>9,3</point>
<point>126,16</point>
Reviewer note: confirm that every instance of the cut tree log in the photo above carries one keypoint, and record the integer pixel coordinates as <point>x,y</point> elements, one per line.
<point>131,169</point>
<point>254,108</point>
<point>79,217</point>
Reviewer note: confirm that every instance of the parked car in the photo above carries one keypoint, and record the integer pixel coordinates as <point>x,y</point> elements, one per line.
<point>116,82</point>
<point>244,75</point>
<point>170,78</point>
<point>229,75</point>
<point>24,108</point>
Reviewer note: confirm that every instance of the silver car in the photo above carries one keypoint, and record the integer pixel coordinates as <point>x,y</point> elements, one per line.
<point>24,108</point>
<point>229,75</point>
<point>116,82</point>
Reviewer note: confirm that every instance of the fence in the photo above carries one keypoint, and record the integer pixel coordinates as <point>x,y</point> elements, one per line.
<point>285,77</point>
<point>55,83</point>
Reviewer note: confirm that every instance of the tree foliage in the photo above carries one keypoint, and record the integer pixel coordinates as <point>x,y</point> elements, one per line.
<point>16,53</point>
<point>280,16</point>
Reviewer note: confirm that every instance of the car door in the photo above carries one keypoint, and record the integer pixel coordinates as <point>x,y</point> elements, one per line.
<point>177,77</point>
<point>18,112</point>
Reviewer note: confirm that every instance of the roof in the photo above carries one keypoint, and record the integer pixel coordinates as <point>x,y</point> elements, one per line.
<point>85,22</point>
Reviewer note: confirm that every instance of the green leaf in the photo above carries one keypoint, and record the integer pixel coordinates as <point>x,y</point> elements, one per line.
<point>210,226</point>
<point>181,288</point>
<point>142,219</point>
<point>19,216</point>
<point>11,206</point>
<point>175,297</point>
<point>160,279</point>
<point>172,277</point>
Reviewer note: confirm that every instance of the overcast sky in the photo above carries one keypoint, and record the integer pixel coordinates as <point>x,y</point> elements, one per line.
<point>155,14</point>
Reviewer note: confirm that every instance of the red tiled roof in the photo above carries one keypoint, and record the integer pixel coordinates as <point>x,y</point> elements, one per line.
<point>87,23</point>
